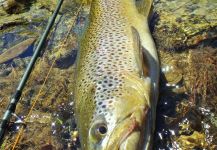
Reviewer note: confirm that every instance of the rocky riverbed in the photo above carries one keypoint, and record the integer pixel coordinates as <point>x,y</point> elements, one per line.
<point>185,34</point>
<point>50,123</point>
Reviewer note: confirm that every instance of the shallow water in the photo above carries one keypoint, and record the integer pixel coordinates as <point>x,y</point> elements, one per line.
<point>186,112</point>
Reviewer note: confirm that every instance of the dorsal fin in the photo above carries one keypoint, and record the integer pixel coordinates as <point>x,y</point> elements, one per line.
<point>141,58</point>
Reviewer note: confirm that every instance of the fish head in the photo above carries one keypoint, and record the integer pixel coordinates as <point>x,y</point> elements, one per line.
<point>121,125</point>
<point>125,134</point>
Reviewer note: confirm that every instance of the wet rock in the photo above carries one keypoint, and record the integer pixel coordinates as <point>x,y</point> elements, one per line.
<point>16,6</point>
<point>47,147</point>
<point>2,85</point>
<point>185,23</point>
<point>40,117</point>
<point>185,35</point>
<point>173,76</point>
<point>68,5</point>
<point>195,140</point>
<point>5,72</point>
<point>9,4</point>
<point>33,15</point>
<point>15,27</point>
<point>16,50</point>
<point>67,60</point>
<point>21,62</point>
<point>65,54</point>
<point>179,90</point>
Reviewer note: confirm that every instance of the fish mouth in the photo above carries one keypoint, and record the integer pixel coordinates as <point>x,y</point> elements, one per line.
<point>127,133</point>
<point>131,140</point>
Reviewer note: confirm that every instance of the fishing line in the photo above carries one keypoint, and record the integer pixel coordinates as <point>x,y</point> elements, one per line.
<point>21,131</point>
<point>12,106</point>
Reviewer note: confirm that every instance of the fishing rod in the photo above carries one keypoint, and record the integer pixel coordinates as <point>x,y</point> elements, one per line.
<point>15,98</point>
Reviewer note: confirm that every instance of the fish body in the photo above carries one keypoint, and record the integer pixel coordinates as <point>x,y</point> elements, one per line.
<point>116,79</point>
<point>16,50</point>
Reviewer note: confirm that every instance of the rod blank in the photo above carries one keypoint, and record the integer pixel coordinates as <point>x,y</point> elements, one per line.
<point>12,106</point>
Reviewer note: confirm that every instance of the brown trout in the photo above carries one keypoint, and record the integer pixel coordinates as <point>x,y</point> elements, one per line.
<point>116,78</point>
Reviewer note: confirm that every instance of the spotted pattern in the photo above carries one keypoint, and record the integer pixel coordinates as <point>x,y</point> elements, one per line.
<point>106,55</point>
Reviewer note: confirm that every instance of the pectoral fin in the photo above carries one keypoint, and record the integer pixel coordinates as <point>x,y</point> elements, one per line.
<point>141,58</point>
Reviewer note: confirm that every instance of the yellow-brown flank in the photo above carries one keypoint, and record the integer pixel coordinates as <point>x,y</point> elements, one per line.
<point>117,78</point>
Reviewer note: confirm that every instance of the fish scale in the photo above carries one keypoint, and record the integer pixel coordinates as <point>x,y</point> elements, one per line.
<point>111,86</point>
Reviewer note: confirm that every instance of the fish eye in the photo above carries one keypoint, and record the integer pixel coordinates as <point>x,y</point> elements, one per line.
<point>99,131</point>
<point>102,129</point>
